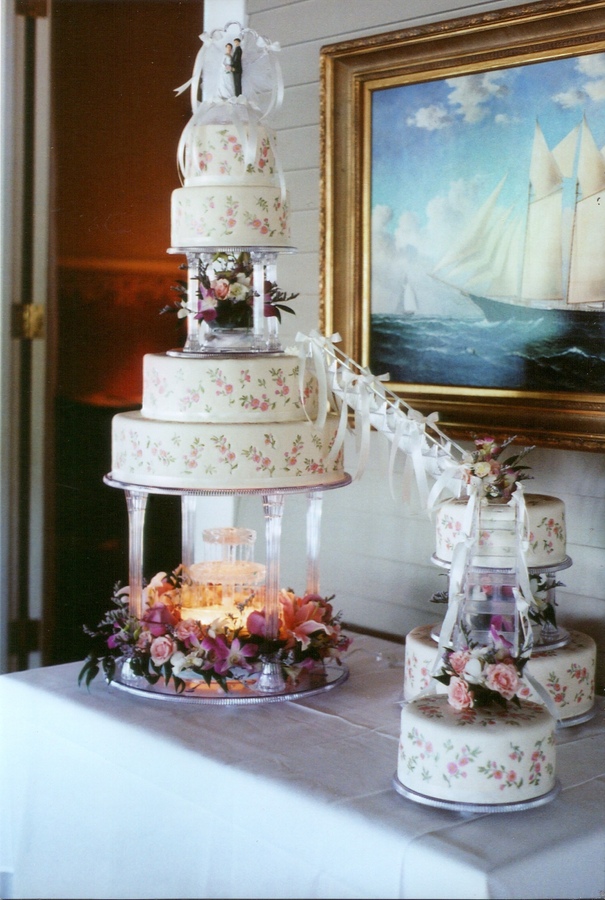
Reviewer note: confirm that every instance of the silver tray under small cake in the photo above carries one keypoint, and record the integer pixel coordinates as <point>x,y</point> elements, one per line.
<point>533,570</point>
<point>474,808</point>
<point>238,694</point>
<point>577,720</point>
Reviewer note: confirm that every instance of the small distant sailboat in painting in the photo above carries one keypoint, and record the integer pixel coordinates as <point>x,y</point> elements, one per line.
<point>539,262</point>
<point>408,300</point>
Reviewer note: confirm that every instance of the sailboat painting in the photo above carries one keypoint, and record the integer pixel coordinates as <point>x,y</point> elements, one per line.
<point>488,229</point>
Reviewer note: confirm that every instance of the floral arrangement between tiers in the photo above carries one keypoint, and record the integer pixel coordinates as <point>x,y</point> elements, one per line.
<point>226,295</point>
<point>482,676</point>
<point>163,644</point>
<point>495,478</point>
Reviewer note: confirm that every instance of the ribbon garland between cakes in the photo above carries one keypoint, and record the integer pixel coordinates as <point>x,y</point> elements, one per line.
<point>233,412</point>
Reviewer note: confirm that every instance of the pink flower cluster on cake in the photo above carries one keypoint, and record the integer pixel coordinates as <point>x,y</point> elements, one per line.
<point>496,478</point>
<point>479,676</point>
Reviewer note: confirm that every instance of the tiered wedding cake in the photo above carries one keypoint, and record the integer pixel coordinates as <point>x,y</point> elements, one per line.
<point>231,412</point>
<point>470,734</point>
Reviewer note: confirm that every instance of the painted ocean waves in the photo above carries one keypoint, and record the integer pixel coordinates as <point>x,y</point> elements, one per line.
<point>543,354</point>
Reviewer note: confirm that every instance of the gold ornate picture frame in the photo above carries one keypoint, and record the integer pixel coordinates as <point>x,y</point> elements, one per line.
<point>355,76</point>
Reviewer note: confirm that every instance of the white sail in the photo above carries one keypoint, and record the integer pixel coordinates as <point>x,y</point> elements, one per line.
<point>544,173</point>
<point>587,268</point>
<point>476,267</point>
<point>495,273</point>
<point>408,300</point>
<point>472,236</point>
<point>507,262</point>
<point>523,261</point>
<point>543,254</point>
<point>564,153</point>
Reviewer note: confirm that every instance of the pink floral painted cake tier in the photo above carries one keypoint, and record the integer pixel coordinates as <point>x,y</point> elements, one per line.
<point>219,216</point>
<point>224,456</point>
<point>566,673</point>
<point>230,389</point>
<point>231,197</point>
<point>486,755</point>
<point>215,154</point>
<point>545,532</point>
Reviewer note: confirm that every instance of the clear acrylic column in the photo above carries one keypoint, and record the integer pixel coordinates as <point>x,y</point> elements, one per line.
<point>188,528</point>
<point>271,679</point>
<point>272,321</point>
<point>136,502</point>
<point>193,343</point>
<point>314,508</point>
<point>258,305</point>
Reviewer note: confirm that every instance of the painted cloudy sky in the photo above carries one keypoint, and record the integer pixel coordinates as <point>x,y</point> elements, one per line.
<point>440,148</point>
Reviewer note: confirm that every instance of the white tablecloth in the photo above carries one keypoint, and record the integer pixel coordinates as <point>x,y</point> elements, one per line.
<point>106,795</point>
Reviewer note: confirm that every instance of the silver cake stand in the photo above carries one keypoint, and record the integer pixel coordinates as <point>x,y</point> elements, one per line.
<point>197,691</point>
<point>470,809</point>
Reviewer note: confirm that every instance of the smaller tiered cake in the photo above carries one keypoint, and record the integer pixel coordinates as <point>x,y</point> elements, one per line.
<point>487,756</point>
<point>470,734</point>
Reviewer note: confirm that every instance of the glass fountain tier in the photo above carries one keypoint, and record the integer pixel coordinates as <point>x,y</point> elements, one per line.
<point>229,568</point>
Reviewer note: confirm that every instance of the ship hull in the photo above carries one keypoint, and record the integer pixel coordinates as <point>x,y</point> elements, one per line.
<point>501,311</point>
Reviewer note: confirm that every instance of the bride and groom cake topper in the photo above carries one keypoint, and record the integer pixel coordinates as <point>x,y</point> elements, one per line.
<point>231,74</point>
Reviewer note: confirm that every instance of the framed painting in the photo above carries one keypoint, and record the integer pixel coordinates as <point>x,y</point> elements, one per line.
<point>463,217</point>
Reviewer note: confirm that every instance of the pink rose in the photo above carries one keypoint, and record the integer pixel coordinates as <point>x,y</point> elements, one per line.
<point>189,631</point>
<point>458,694</point>
<point>458,660</point>
<point>145,640</point>
<point>221,288</point>
<point>159,618</point>
<point>161,650</point>
<point>503,678</point>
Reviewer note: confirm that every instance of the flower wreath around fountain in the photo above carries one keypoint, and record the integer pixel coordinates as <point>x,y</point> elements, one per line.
<point>162,644</point>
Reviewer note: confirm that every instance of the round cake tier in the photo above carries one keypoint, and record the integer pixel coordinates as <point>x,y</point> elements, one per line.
<point>229,216</point>
<point>218,154</point>
<point>488,755</point>
<point>199,455</point>
<point>545,524</point>
<point>566,673</point>
<point>230,389</point>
